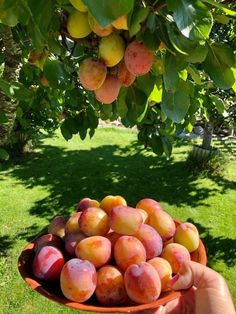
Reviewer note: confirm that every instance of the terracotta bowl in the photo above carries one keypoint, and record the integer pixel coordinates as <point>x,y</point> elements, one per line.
<point>53,292</point>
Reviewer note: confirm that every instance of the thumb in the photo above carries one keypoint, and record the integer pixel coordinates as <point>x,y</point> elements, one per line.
<point>194,274</point>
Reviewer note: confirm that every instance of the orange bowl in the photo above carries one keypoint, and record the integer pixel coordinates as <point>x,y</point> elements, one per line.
<point>53,292</point>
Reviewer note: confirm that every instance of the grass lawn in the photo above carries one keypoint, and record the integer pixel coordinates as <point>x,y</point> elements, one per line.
<point>58,174</point>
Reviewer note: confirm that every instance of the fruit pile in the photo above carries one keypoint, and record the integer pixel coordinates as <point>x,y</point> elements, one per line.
<point>114,252</point>
<point>117,63</point>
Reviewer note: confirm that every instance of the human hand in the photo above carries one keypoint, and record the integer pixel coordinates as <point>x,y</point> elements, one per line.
<point>208,292</point>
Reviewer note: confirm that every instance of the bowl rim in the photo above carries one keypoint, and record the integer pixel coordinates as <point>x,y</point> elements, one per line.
<point>167,296</point>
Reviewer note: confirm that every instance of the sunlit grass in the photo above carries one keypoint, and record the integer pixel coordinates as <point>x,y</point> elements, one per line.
<point>59,173</point>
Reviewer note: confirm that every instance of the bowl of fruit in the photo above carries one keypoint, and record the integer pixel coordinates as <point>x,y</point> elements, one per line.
<point>109,257</point>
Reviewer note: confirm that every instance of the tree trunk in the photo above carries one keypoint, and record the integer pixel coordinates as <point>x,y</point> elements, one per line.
<point>207,137</point>
<point>231,131</point>
<point>12,54</point>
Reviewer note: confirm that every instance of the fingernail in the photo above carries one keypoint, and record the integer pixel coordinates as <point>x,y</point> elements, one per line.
<point>173,281</point>
<point>160,310</point>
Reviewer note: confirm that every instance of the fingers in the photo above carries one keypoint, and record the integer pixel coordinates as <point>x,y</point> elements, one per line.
<point>194,274</point>
<point>183,304</point>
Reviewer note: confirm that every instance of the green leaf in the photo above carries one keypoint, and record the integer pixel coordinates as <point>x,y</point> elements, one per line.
<point>65,131</point>
<point>91,133</point>
<point>71,125</point>
<point>224,53</point>
<point>193,50</point>
<point>194,106</point>
<point>192,17</point>
<point>218,103</point>
<point>42,12</point>
<point>167,145</point>
<point>40,16</point>
<point>106,112</point>
<point>57,75</point>
<point>194,74</point>
<point>197,54</point>
<point>106,11</point>
<point>143,136</point>
<point>155,142</point>
<point>137,104</point>
<point>11,13</point>
<point>92,117</point>
<point>19,112</point>
<point>172,65</point>
<point>161,31</point>
<point>83,133</point>
<point>146,83</point>
<point>151,22</point>
<point>176,104</point>
<point>63,2</point>
<point>234,86</point>
<point>150,40</point>
<point>158,66</point>
<point>55,47</point>
<point>183,74</point>
<point>82,124</point>
<point>189,127</point>
<point>8,17</point>
<point>218,65</point>
<point>8,4</point>
<point>2,65</point>
<point>221,7</point>
<point>4,154</point>
<point>222,19</point>
<point>156,94</point>
<point>78,51</point>
<point>170,76</point>
<point>181,43</point>
<point>135,20</point>
<point>163,116</point>
<point>15,90</point>
<point>121,106</point>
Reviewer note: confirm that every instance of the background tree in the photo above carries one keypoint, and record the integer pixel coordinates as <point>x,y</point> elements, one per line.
<point>165,99</point>
<point>219,104</point>
<point>11,55</point>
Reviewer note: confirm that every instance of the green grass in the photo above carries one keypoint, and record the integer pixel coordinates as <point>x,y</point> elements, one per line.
<point>58,174</point>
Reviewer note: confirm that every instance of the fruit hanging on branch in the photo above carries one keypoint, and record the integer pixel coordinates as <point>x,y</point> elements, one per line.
<point>109,90</point>
<point>149,63</point>
<point>97,29</point>
<point>78,25</point>
<point>138,58</point>
<point>92,73</point>
<point>121,22</point>
<point>124,75</point>
<point>115,47</point>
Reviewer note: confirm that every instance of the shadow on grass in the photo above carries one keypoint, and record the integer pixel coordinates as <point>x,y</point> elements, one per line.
<point>29,233</point>
<point>6,243</point>
<point>218,248</point>
<point>70,175</point>
<point>228,147</point>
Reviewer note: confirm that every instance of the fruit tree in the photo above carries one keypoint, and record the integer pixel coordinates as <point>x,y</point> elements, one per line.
<point>146,62</point>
